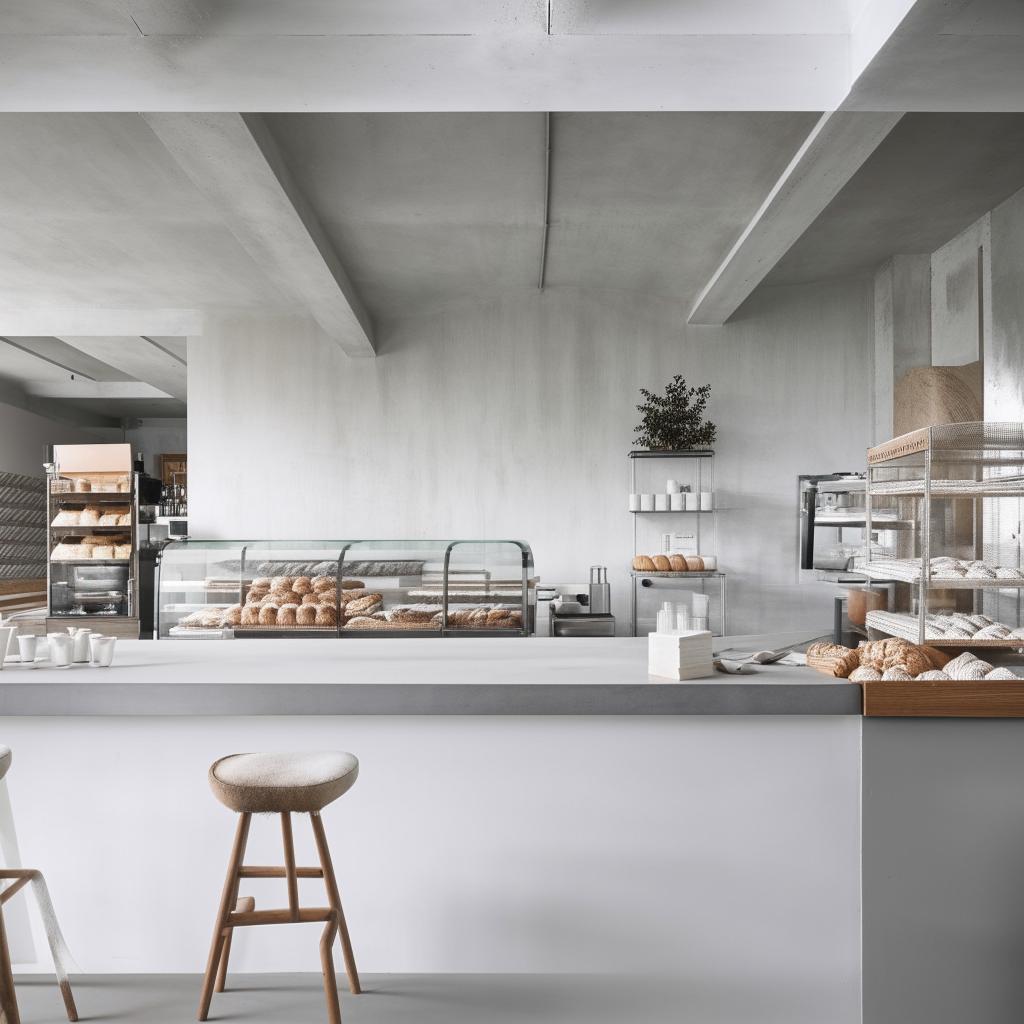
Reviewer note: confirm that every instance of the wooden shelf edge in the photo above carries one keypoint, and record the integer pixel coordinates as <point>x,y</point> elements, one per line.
<point>996,698</point>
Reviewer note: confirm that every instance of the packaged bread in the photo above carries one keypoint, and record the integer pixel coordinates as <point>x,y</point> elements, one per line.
<point>326,615</point>
<point>268,614</point>
<point>302,586</point>
<point>286,614</point>
<point>661,563</point>
<point>642,563</point>
<point>305,615</point>
<point>233,616</point>
<point>833,659</point>
<point>676,563</point>
<point>364,605</point>
<point>89,516</point>
<point>251,615</point>
<point>67,517</point>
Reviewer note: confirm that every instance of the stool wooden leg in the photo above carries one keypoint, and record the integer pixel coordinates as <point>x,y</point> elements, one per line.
<point>331,884</point>
<point>327,967</point>
<point>8,1001</point>
<point>243,905</point>
<point>227,902</point>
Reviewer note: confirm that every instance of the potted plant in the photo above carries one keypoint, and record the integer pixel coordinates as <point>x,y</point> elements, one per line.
<point>675,420</point>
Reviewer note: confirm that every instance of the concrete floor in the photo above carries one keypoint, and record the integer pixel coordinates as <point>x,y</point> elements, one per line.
<point>415,999</point>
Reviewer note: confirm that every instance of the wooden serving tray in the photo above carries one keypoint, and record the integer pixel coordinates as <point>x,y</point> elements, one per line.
<point>941,698</point>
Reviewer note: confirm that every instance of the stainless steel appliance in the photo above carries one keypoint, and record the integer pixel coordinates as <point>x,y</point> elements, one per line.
<point>832,520</point>
<point>600,591</point>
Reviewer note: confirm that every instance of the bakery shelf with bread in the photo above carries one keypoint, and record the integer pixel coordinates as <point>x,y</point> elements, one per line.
<point>92,526</point>
<point>345,588</point>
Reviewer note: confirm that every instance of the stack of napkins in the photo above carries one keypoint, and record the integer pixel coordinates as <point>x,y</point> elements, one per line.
<point>680,655</point>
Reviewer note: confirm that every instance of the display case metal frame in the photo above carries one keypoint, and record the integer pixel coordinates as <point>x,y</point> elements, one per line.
<point>972,449</point>
<point>704,460</point>
<point>525,584</point>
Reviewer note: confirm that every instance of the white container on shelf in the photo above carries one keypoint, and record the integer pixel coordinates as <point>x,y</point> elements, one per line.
<point>661,503</point>
<point>646,502</point>
<point>677,501</point>
<point>692,501</point>
<point>707,501</point>
<point>673,487</point>
<point>710,562</point>
<point>634,503</point>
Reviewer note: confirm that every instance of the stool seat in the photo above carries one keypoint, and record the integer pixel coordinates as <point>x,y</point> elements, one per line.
<point>282,783</point>
<point>5,760</point>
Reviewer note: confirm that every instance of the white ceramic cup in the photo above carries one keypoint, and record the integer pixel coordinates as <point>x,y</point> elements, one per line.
<point>677,501</point>
<point>80,645</point>
<point>634,503</point>
<point>692,501</point>
<point>27,649</point>
<point>103,650</point>
<point>672,487</point>
<point>707,501</point>
<point>661,503</point>
<point>646,502</point>
<point>6,638</point>
<point>61,649</point>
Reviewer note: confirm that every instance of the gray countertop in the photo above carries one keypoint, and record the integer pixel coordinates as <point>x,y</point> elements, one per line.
<point>390,676</point>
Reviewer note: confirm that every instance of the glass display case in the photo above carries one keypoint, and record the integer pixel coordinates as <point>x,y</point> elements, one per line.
<point>955,572</point>
<point>345,588</point>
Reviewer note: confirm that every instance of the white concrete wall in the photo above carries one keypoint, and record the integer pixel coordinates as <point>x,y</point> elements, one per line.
<point>723,851</point>
<point>24,436</point>
<point>1004,354</point>
<point>513,419</point>
<point>958,290</point>
<point>153,437</point>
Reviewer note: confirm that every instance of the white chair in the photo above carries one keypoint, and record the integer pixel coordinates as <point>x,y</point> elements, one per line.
<point>12,872</point>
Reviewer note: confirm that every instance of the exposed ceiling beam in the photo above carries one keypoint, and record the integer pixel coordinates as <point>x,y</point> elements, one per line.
<point>105,389</point>
<point>140,358</point>
<point>122,322</point>
<point>512,69</point>
<point>833,152</point>
<point>235,162</point>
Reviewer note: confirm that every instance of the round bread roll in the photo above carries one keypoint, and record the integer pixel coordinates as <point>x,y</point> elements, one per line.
<point>694,563</point>
<point>302,585</point>
<point>261,582</point>
<point>271,598</point>
<point>281,596</point>
<point>255,595</point>
<point>327,597</point>
<point>864,674</point>
<point>326,615</point>
<point>282,582</point>
<point>933,674</point>
<point>233,616</point>
<point>319,583</point>
<point>896,674</point>
<point>286,614</point>
<point>1002,673</point>
<point>310,599</point>
<point>643,563</point>
<point>677,563</point>
<point>268,615</point>
<point>305,615</point>
<point>661,563</point>
<point>250,615</point>
<point>293,597</point>
<point>352,585</point>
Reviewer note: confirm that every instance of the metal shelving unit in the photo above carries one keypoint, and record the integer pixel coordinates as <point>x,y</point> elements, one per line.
<point>701,474</point>
<point>962,484</point>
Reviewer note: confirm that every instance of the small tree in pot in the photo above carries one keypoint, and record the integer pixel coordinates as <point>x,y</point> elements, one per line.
<point>675,421</point>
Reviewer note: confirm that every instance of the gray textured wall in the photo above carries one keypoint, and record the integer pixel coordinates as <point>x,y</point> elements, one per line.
<point>514,417</point>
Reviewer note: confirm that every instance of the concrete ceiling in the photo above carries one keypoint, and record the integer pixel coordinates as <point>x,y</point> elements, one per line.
<point>933,176</point>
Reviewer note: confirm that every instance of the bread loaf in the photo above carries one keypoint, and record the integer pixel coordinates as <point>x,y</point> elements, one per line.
<point>82,486</point>
<point>286,614</point>
<point>67,517</point>
<point>694,563</point>
<point>677,563</point>
<point>310,599</point>
<point>832,659</point>
<point>233,616</point>
<point>302,586</point>
<point>305,615</point>
<point>282,582</point>
<point>324,582</point>
<point>643,563</point>
<point>250,615</point>
<point>352,585</point>
<point>414,614</point>
<point>89,516</point>
<point>268,614</point>
<point>326,615</point>
<point>661,563</point>
<point>103,551</point>
<point>122,551</point>
<point>364,605</point>
<point>125,520</point>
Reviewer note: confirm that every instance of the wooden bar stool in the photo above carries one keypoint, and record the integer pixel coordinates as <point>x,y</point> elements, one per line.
<point>19,878</point>
<point>283,784</point>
